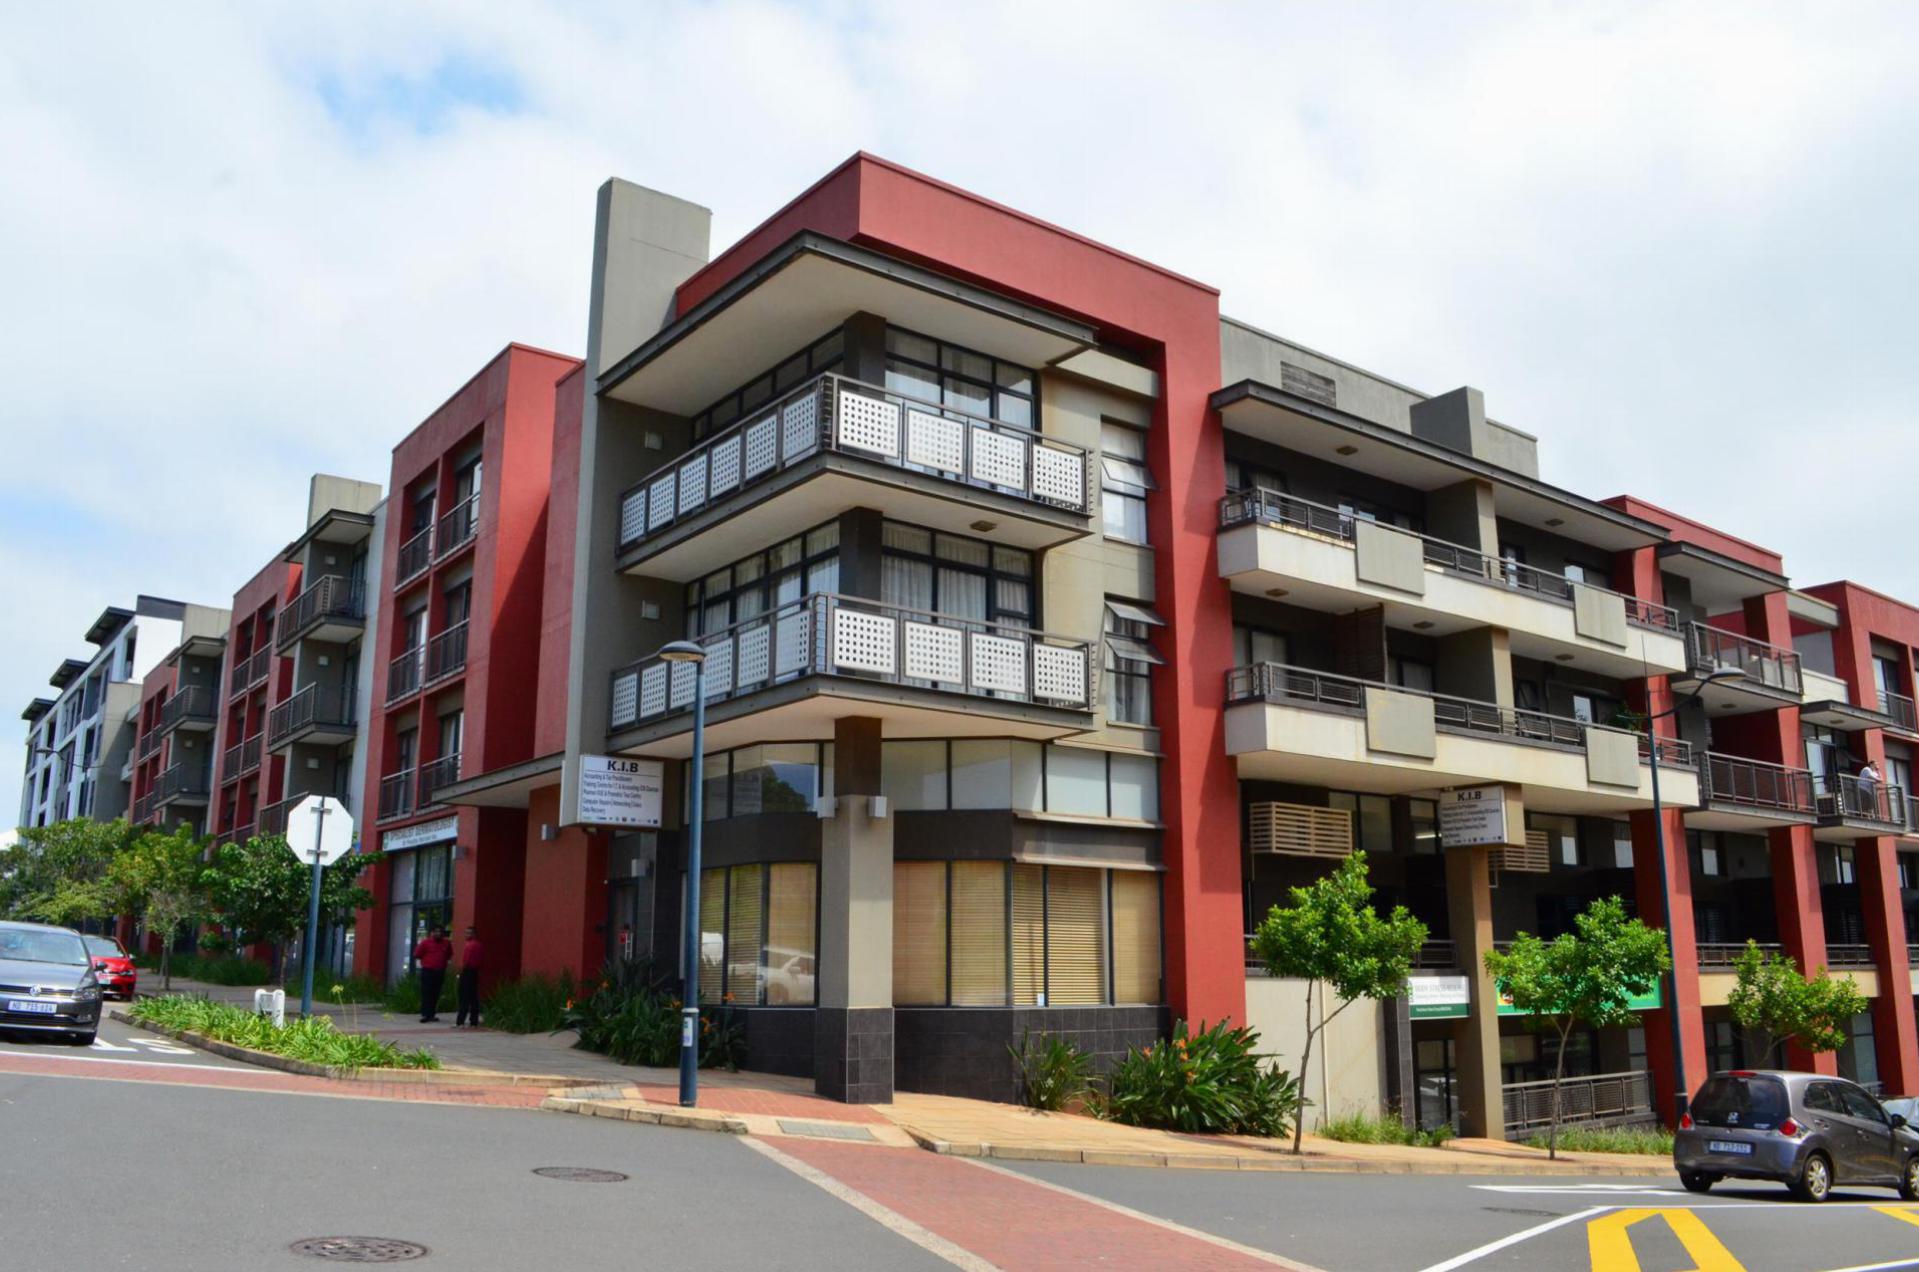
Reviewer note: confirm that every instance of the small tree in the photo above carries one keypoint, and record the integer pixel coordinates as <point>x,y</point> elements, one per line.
<point>1770,997</point>
<point>261,888</point>
<point>1588,976</point>
<point>57,873</point>
<point>1330,937</point>
<point>162,877</point>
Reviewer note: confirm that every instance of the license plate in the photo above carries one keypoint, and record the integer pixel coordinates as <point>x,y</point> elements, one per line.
<point>1730,1146</point>
<point>32,1008</point>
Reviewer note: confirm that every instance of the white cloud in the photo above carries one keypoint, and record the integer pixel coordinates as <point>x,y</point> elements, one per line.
<point>1673,239</point>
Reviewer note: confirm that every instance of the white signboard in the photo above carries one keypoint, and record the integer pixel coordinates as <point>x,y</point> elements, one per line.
<point>1437,997</point>
<point>1473,815</point>
<point>420,836</point>
<point>320,826</point>
<point>618,790</point>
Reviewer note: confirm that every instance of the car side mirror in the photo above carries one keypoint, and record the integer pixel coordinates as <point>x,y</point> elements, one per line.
<point>1898,1120</point>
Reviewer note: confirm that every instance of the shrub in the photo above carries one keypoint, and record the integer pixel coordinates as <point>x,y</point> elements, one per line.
<point>631,1016</point>
<point>1370,1128</point>
<point>1651,1140</point>
<point>315,1039</point>
<point>404,998</point>
<point>533,1004</point>
<point>1209,1082</point>
<point>1052,1072</point>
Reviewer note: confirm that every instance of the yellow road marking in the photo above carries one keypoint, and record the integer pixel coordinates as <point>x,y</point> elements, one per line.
<point>1906,1213</point>
<point>1610,1243</point>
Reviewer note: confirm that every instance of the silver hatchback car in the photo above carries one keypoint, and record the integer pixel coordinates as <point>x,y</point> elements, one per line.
<point>47,982</point>
<point>1807,1131</point>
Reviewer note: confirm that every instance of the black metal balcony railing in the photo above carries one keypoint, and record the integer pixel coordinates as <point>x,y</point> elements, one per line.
<point>436,775</point>
<point>1709,649</point>
<point>149,743</point>
<point>1854,957</point>
<point>413,557</point>
<point>1720,955</point>
<point>834,413</point>
<point>1900,708</point>
<point>193,703</point>
<point>827,634</point>
<point>1912,955</point>
<point>272,818</point>
<point>241,758</point>
<point>1293,686</point>
<point>396,795</point>
<point>1437,955</point>
<point>1599,1099</point>
<point>1286,512</point>
<point>183,782</point>
<point>1755,784</point>
<point>333,597</point>
<point>143,808</point>
<point>446,653</point>
<point>1845,798</point>
<point>403,673</point>
<point>457,528</point>
<point>311,707</point>
<point>251,671</point>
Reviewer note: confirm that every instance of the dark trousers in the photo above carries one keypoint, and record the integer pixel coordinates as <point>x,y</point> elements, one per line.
<point>431,981</point>
<point>469,997</point>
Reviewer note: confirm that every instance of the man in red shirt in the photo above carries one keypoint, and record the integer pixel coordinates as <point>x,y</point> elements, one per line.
<point>470,956</point>
<point>431,956</point>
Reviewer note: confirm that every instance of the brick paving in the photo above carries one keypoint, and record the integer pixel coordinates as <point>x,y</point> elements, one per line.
<point>776,1104</point>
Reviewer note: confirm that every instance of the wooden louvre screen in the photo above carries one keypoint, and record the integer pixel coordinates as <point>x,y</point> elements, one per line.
<point>979,934</point>
<point>919,932</point>
<point>1075,936</point>
<point>745,906</point>
<point>1135,936</point>
<point>712,934</point>
<point>1534,858</point>
<point>1301,830</point>
<point>792,921</point>
<point>1029,934</point>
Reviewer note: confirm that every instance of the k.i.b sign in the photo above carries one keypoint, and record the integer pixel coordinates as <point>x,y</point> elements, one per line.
<point>619,790</point>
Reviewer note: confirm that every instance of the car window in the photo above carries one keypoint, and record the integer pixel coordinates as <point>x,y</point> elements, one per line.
<point>104,947</point>
<point>1862,1106</point>
<point>1822,1098</point>
<point>31,945</point>
<point>1727,1100</point>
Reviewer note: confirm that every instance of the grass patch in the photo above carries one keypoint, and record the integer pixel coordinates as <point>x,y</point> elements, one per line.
<point>1370,1128</point>
<point>532,1004</point>
<point>1652,1141</point>
<point>315,1040</point>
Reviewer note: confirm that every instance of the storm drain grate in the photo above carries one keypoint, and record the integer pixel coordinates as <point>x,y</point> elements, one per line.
<point>359,1249</point>
<point>580,1174</point>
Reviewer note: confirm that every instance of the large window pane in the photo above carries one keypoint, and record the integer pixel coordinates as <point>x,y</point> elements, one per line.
<point>1075,781</point>
<point>913,775</point>
<point>1135,937</point>
<point>792,927</point>
<point>745,910</point>
<point>1135,787</point>
<point>713,788</point>
<point>979,933</point>
<point>919,933</point>
<point>982,774</point>
<point>1075,936</point>
<point>779,778</point>
<point>1029,935</point>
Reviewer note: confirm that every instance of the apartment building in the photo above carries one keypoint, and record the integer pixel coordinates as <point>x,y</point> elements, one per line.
<point>176,730</point>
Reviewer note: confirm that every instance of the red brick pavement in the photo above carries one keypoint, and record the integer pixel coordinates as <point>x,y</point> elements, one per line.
<point>269,1080</point>
<point>722,1099</point>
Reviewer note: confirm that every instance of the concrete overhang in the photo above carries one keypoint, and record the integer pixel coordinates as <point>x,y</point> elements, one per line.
<point>200,647</point>
<point>1337,437</point>
<point>508,787</point>
<point>335,525</point>
<point>1846,717</point>
<point>68,670</point>
<point>1725,815</point>
<point>1719,582</point>
<point>1812,610</point>
<point>37,708</point>
<point>802,290</point>
<point>108,625</point>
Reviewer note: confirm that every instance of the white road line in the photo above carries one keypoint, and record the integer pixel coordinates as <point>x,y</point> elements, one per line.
<point>891,1220</point>
<point>1879,1267</point>
<point>1494,1247</point>
<point>1224,1243</point>
<point>167,1064</point>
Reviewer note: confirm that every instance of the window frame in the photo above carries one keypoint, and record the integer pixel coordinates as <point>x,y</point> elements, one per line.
<point>941,374</point>
<point>709,420</point>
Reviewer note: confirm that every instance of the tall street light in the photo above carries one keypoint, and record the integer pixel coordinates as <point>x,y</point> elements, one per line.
<point>685,651</point>
<point>1681,1092</point>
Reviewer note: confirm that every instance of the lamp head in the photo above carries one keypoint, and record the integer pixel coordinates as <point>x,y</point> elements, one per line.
<point>682,651</point>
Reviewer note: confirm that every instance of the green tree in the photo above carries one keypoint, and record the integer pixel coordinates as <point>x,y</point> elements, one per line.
<point>1331,938</point>
<point>58,873</point>
<point>1771,999</point>
<point>163,878</point>
<point>260,888</point>
<point>1588,976</point>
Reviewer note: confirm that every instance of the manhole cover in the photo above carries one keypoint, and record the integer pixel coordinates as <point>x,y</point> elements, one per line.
<point>1519,1210</point>
<point>359,1249</point>
<point>580,1174</point>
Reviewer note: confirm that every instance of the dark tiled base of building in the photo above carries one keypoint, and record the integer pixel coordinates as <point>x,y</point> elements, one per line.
<point>853,1054</point>
<point>968,1051</point>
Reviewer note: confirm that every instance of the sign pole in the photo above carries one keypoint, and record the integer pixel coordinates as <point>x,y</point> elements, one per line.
<point>313,915</point>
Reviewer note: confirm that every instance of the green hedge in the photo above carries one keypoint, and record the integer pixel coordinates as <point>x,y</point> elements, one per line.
<point>316,1040</point>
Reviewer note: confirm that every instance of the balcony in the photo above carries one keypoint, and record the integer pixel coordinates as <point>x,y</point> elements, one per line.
<point>325,716</point>
<point>333,608</point>
<point>437,774</point>
<point>250,671</point>
<point>789,673</point>
<point>1899,707</point>
<point>1850,809</point>
<point>241,759</point>
<point>191,710</point>
<point>182,784</point>
<point>1292,724</point>
<point>149,744</point>
<point>1769,676</point>
<point>457,528</point>
<point>1850,957</point>
<point>1827,702</point>
<point>1723,956</point>
<point>241,833</point>
<point>403,674</point>
<point>1750,795</point>
<point>413,558</point>
<point>396,795</point>
<point>446,654</point>
<point>272,818</point>
<point>834,444</point>
<point>144,808</point>
<point>1333,561</point>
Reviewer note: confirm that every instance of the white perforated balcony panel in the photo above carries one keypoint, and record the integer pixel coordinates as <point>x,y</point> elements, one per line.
<point>869,424</point>
<point>933,653</point>
<point>864,642</point>
<point>932,441</point>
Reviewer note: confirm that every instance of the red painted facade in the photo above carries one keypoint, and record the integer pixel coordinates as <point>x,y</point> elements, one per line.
<point>246,778</point>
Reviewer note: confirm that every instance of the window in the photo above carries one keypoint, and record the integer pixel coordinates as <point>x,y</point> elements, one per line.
<point>1372,819</point>
<point>759,934</point>
<point>820,356</point>
<point>1836,864</point>
<point>1255,645</point>
<point>1424,814</point>
<point>782,777</point>
<point>919,933</point>
<point>405,746</point>
<point>995,773</point>
<point>1411,673</point>
<point>459,603</point>
<point>765,581</point>
<point>1562,833</point>
<point>466,481</point>
<point>1130,660</point>
<point>1885,676</point>
<point>913,775</point>
<point>1354,508</point>
<point>1076,781</point>
<point>1622,845</point>
<point>934,371</point>
<point>999,773</point>
<point>956,576</point>
<point>452,730</point>
<point>1244,476</point>
<point>1124,482</point>
<point>978,934</point>
<point>1858,1060</point>
<point>419,898</point>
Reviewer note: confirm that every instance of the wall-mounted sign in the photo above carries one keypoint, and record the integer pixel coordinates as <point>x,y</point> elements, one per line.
<point>420,836</point>
<point>618,790</point>
<point>1438,997</point>
<point>1638,1002</point>
<point>1472,815</point>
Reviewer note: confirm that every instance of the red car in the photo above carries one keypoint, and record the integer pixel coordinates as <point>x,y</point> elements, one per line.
<point>112,967</point>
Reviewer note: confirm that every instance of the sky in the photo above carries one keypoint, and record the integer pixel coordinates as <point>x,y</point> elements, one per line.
<point>241,244</point>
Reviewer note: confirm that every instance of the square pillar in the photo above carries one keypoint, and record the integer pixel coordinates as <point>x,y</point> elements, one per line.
<point>1802,919</point>
<point>1877,864</point>
<point>1469,902</point>
<point>853,1022</point>
<point>1674,910</point>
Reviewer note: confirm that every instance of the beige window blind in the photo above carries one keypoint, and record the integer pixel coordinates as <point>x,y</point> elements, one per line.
<point>1075,936</point>
<point>1029,934</point>
<point>979,934</point>
<point>1534,858</point>
<point>1300,830</point>
<point>1135,937</point>
<point>745,915</point>
<point>792,893</point>
<point>919,932</point>
<point>712,934</point>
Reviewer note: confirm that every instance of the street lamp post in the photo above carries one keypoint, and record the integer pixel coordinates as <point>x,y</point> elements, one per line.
<point>685,651</point>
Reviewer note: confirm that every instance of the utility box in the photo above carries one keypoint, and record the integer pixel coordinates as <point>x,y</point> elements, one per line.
<point>271,1003</point>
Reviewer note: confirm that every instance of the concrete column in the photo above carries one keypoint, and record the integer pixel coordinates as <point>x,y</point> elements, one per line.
<point>1877,863</point>
<point>1478,664</point>
<point>865,356</point>
<point>1464,514</point>
<point>1469,901</point>
<point>853,1022</point>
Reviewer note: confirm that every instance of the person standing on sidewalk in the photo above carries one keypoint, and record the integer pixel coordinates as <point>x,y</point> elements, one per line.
<point>471,955</point>
<point>431,956</point>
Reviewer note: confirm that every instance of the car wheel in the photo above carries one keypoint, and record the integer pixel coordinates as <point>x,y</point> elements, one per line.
<point>1697,1180</point>
<point>1909,1179</point>
<point>1814,1181</point>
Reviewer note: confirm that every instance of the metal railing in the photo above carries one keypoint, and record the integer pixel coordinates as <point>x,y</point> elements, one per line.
<point>240,834</point>
<point>1287,512</point>
<point>1755,784</point>
<point>272,818</point>
<point>1900,708</point>
<point>1599,1099</point>
<point>149,743</point>
<point>1437,955</point>
<point>251,671</point>
<point>1851,956</point>
<point>241,758</point>
<point>446,653</point>
<point>183,781</point>
<point>458,527</point>
<point>1725,954</point>
<point>310,707</point>
<point>437,774</point>
<point>144,806</point>
<point>1295,686</point>
<point>333,596</point>
<point>1709,649</point>
<point>413,558</point>
<point>1912,955</point>
<point>195,702</point>
<point>827,634</point>
<point>396,794</point>
<point>403,673</point>
<point>831,412</point>
<point>1844,798</point>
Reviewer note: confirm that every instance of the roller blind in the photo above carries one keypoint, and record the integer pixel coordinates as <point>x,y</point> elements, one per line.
<point>979,934</point>
<point>712,934</point>
<point>1075,936</point>
<point>791,926</point>
<point>1135,937</point>
<point>746,910</point>
<point>919,932</point>
<point>1029,934</point>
